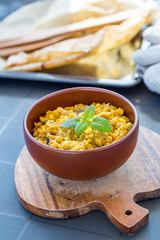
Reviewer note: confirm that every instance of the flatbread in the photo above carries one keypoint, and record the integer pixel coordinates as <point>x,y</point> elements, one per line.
<point>92,50</point>
<point>62,53</point>
<point>112,64</point>
<point>52,13</point>
<point>69,51</point>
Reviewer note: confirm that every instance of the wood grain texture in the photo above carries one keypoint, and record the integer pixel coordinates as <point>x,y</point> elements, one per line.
<point>115,194</point>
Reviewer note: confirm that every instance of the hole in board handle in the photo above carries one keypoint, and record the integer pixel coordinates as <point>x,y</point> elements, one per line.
<point>128,212</point>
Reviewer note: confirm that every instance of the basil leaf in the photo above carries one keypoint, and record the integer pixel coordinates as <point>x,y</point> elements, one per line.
<point>80,127</point>
<point>71,123</point>
<point>100,124</point>
<point>89,113</point>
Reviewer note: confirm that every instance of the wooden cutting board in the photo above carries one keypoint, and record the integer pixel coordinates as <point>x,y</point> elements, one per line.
<point>116,194</point>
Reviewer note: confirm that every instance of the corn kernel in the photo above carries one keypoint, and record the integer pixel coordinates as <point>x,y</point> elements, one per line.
<point>98,142</point>
<point>114,121</point>
<point>56,113</point>
<point>48,112</point>
<point>88,130</point>
<point>51,116</point>
<point>120,111</point>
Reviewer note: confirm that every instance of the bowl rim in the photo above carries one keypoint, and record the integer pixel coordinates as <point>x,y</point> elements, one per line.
<point>136,122</point>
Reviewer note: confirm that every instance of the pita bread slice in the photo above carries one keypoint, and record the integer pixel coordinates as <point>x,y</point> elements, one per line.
<point>116,35</point>
<point>111,64</point>
<point>62,53</point>
<point>48,14</point>
<point>114,57</point>
<point>43,65</point>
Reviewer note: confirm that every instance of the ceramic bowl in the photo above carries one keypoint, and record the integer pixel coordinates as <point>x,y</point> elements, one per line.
<point>86,164</point>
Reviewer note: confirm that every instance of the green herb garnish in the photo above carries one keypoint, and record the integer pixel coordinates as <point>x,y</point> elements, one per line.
<point>80,124</point>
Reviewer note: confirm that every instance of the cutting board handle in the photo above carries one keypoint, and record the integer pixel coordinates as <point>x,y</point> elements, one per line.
<point>124,213</point>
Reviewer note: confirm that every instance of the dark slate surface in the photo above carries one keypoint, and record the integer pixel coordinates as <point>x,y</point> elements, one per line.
<point>18,224</point>
<point>8,6</point>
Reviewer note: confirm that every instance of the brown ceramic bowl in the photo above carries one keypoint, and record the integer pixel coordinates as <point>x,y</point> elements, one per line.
<point>86,164</point>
